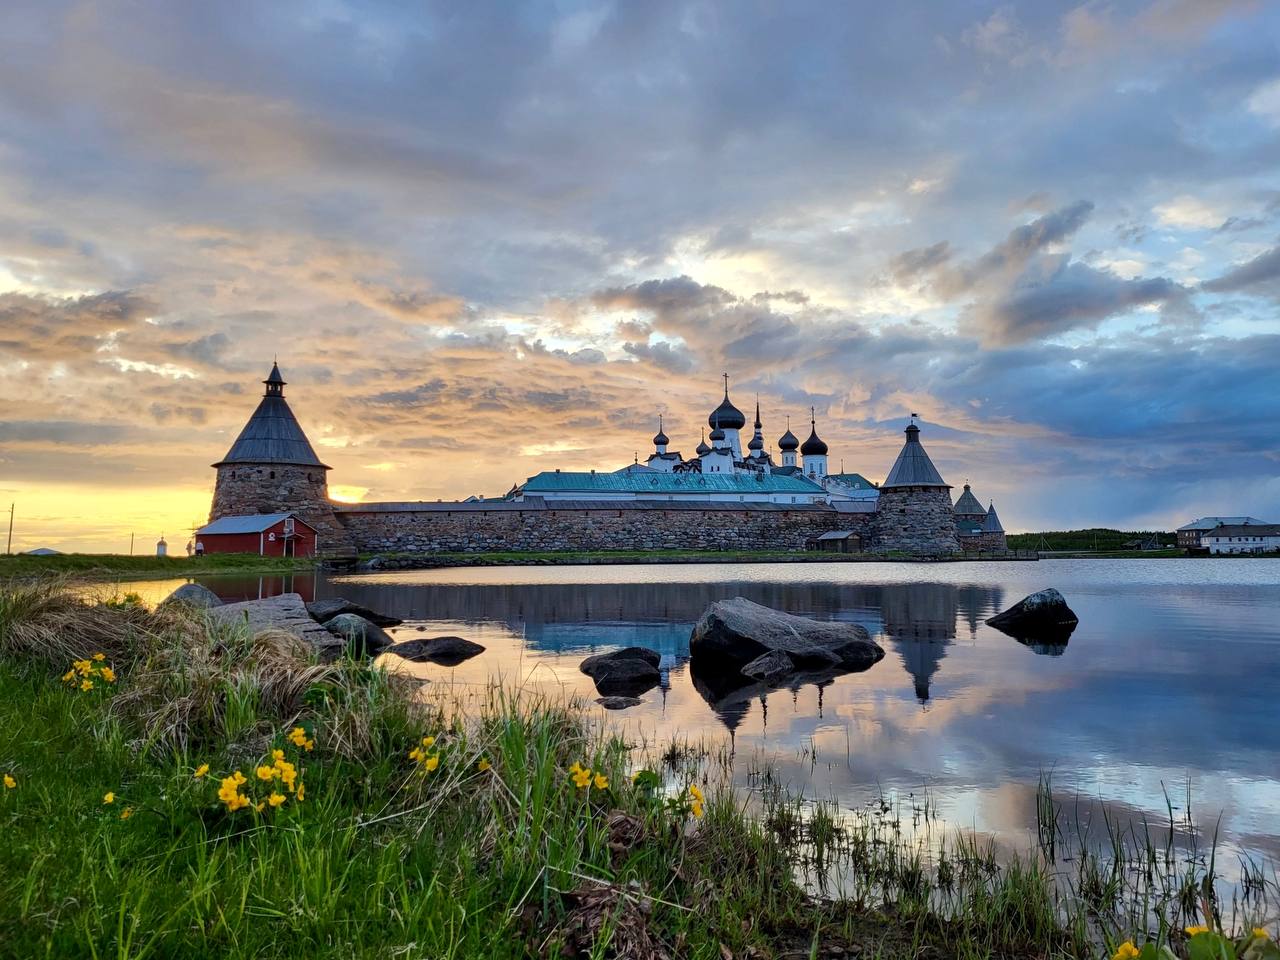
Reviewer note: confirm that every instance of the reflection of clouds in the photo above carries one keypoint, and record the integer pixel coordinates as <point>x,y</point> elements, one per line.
<point>1136,703</point>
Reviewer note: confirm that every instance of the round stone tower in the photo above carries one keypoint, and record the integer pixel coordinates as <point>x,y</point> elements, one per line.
<point>914,513</point>
<point>271,468</point>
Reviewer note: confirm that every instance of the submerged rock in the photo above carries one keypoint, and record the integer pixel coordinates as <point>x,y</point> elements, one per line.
<point>736,632</point>
<point>618,703</point>
<point>771,666</point>
<point>285,612</point>
<point>193,595</point>
<point>447,651</point>
<point>1043,617</point>
<point>322,611</point>
<point>363,638</point>
<point>626,672</point>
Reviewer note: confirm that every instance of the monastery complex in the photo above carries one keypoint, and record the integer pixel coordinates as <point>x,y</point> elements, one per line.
<point>720,498</point>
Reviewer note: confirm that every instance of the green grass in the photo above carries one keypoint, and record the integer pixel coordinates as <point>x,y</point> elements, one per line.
<point>1095,539</point>
<point>382,859</point>
<point>119,566</point>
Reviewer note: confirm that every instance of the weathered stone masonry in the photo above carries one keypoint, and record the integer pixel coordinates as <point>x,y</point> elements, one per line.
<point>244,489</point>
<point>429,528</point>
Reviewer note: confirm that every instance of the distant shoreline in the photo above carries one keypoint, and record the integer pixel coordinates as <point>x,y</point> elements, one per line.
<point>121,567</point>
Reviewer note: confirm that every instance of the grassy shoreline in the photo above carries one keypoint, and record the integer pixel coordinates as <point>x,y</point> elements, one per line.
<point>488,839</point>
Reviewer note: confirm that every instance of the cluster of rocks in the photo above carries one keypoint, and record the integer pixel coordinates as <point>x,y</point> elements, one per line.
<point>738,644</point>
<point>335,627</point>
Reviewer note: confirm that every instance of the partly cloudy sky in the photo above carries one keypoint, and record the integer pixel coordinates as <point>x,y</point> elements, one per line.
<point>487,239</point>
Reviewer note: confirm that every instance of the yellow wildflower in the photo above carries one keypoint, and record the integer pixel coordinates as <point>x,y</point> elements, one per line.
<point>259,806</point>
<point>1261,934</point>
<point>277,755</point>
<point>287,772</point>
<point>483,765</point>
<point>201,771</point>
<point>126,813</point>
<point>86,685</point>
<point>69,675</point>
<point>696,800</point>
<point>267,773</point>
<point>99,657</point>
<point>298,796</point>
<point>417,754</point>
<point>1126,951</point>
<point>9,782</point>
<point>432,762</point>
<point>298,736</point>
<point>1197,930</point>
<point>276,799</point>
<point>428,741</point>
<point>108,797</point>
<point>582,778</point>
<point>82,667</point>
<point>229,791</point>
<point>108,674</point>
<point>309,746</point>
<point>601,782</point>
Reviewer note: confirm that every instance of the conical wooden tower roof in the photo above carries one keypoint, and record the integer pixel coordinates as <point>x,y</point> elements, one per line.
<point>273,434</point>
<point>913,468</point>
<point>967,505</point>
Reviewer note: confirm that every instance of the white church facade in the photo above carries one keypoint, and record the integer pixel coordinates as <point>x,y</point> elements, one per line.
<point>719,470</point>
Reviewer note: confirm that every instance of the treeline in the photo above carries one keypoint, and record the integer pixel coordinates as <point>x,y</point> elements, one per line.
<point>1100,539</point>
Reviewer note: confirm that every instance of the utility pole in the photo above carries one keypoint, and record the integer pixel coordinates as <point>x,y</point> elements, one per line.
<point>131,544</point>
<point>8,547</point>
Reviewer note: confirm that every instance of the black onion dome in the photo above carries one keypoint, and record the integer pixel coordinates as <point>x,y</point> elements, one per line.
<point>814,447</point>
<point>703,449</point>
<point>788,441</point>
<point>727,416</point>
<point>717,434</point>
<point>756,443</point>
<point>660,439</point>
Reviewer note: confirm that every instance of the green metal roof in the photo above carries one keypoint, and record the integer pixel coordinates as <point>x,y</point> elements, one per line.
<point>855,480</point>
<point>664,483</point>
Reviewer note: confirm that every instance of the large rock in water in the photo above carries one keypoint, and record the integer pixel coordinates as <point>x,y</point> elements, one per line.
<point>446,651</point>
<point>193,595</point>
<point>628,672</point>
<point>322,611</point>
<point>285,612</point>
<point>363,638</point>
<point>737,632</point>
<point>1042,616</point>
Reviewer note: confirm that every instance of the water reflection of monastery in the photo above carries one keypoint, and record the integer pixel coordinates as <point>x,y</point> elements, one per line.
<point>917,622</point>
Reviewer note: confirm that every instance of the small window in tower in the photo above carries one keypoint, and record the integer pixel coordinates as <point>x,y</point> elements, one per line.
<point>233,474</point>
<point>271,475</point>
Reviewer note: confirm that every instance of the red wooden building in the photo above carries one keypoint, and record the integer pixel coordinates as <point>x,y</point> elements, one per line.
<point>267,535</point>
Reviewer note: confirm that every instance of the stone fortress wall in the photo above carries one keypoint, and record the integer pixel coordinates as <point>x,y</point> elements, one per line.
<point>528,527</point>
<point>245,489</point>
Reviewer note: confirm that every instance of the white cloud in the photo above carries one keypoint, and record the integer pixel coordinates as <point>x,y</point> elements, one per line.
<point>1265,102</point>
<point>1189,212</point>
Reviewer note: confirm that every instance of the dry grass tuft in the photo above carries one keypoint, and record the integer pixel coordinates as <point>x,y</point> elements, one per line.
<point>45,623</point>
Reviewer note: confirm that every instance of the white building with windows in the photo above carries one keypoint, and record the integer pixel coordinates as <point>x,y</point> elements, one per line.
<point>1242,538</point>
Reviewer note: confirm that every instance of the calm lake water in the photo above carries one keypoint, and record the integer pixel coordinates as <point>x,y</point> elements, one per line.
<point>1169,684</point>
